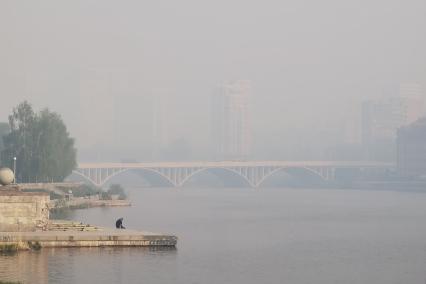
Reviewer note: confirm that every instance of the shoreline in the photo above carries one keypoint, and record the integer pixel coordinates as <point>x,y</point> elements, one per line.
<point>65,234</point>
<point>83,203</point>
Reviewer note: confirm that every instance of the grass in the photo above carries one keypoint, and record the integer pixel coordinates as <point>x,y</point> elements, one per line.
<point>34,245</point>
<point>8,249</point>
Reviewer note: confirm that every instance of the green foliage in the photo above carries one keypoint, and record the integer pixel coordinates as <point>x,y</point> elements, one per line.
<point>41,144</point>
<point>8,249</point>
<point>105,196</point>
<point>4,129</point>
<point>117,189</point>
<point>85,190</point>
<point>34,245</point>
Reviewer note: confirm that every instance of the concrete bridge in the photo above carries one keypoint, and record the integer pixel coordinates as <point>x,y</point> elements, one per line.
<point>252,173</point>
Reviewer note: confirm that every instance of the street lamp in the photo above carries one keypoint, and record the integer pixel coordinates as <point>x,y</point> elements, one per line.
<point>14,169</point>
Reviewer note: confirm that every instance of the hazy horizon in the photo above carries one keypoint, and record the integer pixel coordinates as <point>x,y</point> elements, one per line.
<point>311,64</point>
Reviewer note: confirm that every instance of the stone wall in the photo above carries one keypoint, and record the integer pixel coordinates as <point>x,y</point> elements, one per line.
<point>23,211</point>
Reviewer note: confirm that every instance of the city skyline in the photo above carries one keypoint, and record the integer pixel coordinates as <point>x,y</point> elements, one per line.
<point>309,74</point>
<point>405,105</point>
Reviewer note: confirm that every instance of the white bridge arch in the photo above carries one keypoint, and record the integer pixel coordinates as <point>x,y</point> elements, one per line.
<point>254,173</point>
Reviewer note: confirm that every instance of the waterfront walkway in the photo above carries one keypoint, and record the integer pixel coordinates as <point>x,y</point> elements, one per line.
<point>77,237</point>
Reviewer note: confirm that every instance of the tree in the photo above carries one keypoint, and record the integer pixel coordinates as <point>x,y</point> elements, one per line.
<point>116,189</point>
<point>41,144</point>
<point>4,129</point>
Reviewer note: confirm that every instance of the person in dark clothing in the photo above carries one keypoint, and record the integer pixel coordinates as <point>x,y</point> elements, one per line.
<point>119,224</point>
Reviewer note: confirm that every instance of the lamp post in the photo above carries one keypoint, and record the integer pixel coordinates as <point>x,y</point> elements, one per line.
<point>14,169</point>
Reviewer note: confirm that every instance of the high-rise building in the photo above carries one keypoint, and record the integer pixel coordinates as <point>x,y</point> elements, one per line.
<point>412,96</point>
<point>230,125</point>
<point>381,118</point>
<point>411,150</point>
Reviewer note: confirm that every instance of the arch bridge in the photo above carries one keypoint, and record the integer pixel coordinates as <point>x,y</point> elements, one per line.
<point>253,173</point>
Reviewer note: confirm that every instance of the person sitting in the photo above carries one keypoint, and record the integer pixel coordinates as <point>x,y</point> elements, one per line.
<point>119,224</point>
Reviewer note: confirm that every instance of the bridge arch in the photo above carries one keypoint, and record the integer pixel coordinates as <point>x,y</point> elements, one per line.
<point>293,171</point>
<point>217,172</point>
<point>154,177</point>
<point>120,171</point>
<point>85,177</point>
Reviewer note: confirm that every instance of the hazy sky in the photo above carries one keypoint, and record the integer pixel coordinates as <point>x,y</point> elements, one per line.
<point>310,63</point>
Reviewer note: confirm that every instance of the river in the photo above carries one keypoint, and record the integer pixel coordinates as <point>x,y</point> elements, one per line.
<point>241,235</point>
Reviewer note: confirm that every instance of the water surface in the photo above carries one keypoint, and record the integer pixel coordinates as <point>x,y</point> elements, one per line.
<point>248,236</point>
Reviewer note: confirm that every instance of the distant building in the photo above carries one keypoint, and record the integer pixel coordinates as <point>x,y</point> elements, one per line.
<point>411,149</point>
<point>160,119</point>
<point>230,121</point>
<point>413,101</point>
<point>381,119</point>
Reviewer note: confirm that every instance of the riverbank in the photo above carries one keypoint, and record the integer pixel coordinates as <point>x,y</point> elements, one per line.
<point>75,234</point>
<point>86,202</point>
<point>78,195</point>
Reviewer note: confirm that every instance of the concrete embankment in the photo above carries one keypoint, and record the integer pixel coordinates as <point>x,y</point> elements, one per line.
<point>25,240</point>
<point>87,202</point>
<point>25,224</point>
<point>80,235</point>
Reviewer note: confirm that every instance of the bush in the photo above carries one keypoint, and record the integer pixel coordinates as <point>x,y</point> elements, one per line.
<point>116,189</point>
<point>34,245</point>
<point>105,196</point>
<point>85,190</point>
<point>8,249</point>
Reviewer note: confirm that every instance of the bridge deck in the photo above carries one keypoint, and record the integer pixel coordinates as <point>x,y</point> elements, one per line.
<point>235,164</point>
<point>252,173</point>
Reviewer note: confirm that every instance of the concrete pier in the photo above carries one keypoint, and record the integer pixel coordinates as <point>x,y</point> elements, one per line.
<point>25,224</point>
<point>92,238</point>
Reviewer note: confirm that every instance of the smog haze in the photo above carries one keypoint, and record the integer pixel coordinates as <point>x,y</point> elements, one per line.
<point>103,65</point>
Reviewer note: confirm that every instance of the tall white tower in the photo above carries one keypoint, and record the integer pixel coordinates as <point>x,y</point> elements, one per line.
<point>230,121</point>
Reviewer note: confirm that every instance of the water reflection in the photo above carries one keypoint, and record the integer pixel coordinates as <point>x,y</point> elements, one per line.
<point>79,265</point>
<point>27,267</point>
